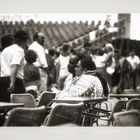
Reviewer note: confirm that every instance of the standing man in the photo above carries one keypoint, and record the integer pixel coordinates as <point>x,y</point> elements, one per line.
<point>12,63</point>
<point>41,62</point>
<point>134,62</point>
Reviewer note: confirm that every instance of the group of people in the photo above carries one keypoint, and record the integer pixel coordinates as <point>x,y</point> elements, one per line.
<point>126,72</point>
<point>31,68</point>
<point>20,65</point>
<point>77,72</point>
<point>119,68</point>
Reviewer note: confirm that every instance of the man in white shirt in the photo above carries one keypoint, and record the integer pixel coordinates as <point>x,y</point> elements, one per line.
<point>134,61</point>
<point>12,63</point>
<point>41,63</point>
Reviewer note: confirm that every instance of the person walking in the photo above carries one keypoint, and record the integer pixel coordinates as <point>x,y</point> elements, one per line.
<point>134,61</point>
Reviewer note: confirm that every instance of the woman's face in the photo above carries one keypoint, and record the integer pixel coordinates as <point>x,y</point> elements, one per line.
<point>79,70</point>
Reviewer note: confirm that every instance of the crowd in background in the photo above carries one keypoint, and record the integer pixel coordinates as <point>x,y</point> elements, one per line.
<point>35,68</point>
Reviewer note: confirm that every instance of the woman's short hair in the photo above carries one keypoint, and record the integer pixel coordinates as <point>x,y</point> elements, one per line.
<point>30,56</point>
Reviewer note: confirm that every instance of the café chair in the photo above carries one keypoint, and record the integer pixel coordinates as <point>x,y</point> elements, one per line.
<point>46,99</point>
<point>91,115</point>
<point>118,107</point>
<point>22,116</point>
<point>127,118</point>
<point>133,104</point>
<point>63,113</point>
<point>130,91</point>
<point>25,98</point>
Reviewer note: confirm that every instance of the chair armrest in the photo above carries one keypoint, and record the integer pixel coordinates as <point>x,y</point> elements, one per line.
<point>100,110</point>
<point>94,115</point>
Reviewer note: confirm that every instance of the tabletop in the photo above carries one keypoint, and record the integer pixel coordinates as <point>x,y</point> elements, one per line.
<point>80,99</point>
<point>8,105</point>
<point>125,95</point>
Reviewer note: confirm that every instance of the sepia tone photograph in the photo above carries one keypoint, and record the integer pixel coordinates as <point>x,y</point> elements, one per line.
<point>69,70</point>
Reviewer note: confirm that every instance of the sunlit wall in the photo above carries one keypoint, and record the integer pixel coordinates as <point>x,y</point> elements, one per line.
<point>135,26</point>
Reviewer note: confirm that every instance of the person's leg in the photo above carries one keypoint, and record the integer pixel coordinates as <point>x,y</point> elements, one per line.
<point>44,79</point>
<point>134,76</point>
<point>4,85</point>
<point>19,86</point>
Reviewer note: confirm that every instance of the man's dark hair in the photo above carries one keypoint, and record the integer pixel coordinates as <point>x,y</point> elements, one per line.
<point>7,40</point>
<point>73,51</point>
<point>21,35</point>
<point>88,64</point>
<point>72,64</point>
<point>52,52</point>
<point>65,47</point>
<point>100,52</point>
<point>87,45</point>
<point>30,56</point>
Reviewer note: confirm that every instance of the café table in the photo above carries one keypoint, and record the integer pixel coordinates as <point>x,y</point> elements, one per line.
<point>125,96</point>
<point>80,99</point>
<point>8,105</point>
<point>90,103</point>
<point>129,96</point>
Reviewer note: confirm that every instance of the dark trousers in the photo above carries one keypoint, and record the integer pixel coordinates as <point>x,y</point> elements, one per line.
<point>134,79</point>
<point>4,85</point>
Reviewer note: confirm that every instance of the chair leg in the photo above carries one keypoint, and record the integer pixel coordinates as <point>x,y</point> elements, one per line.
<point>108,122</point>
<point>83,120</point>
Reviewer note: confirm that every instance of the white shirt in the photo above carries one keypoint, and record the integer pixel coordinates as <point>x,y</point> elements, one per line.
<point>134,61</point>
<point>41,59</point>
<point>100,61</point>
<point>11,55</point>
<point>64,61</point>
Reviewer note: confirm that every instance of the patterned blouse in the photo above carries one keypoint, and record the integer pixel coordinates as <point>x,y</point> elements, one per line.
<point>87,85</point>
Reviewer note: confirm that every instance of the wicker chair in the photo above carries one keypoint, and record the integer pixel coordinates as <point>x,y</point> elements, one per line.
<point>64,113</point>
<point>127,118</point>
<point>26,116</point>
<point>133,104</point>
<point>118,107</point>
<point>46,98</point>
<point>25,98</point>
